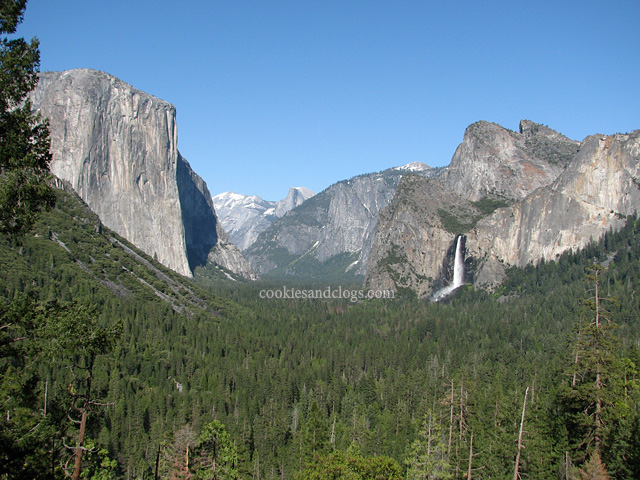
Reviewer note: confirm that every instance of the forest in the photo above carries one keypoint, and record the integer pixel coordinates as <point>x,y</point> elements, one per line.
<point>114,367</point>
<point>395,388</point>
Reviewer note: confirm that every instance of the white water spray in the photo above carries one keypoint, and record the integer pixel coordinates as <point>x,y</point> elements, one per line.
<point>458,274</point>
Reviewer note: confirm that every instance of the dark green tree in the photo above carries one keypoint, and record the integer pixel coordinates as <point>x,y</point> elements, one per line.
<point>591,400</point>
<point>217,456</point>
<point>24,136</point>
<point>315,433</point>
<point>351,465</point>
<point>76,341</point>
<point>27,429</point>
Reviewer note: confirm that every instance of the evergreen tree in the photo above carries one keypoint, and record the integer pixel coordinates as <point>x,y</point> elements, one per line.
<point>24,137</point>
<point>351,465</point>
<point>26,427</point>
<point>590,400</point>
<point>315,433</point>
<point>426,459</point>
<point>76,341</point>
<point>217,455</point>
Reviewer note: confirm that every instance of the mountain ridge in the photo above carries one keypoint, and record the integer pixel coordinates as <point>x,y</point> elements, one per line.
<point>117,148</point>
<point>514,223</point>
<point>244,217</point>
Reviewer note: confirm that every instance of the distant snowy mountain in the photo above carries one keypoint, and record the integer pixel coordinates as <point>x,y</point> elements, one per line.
<point>414,167</point>
<point>244,217</point>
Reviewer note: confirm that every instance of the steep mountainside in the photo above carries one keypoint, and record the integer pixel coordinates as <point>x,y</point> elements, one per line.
<point>494,161</point>
<point>329,235</point>
<point>244,217</point>
<point>534,195</point>
<point>598,189</point>
<point>71,251</point>
<point>422,219</point>
<point>117,147</point>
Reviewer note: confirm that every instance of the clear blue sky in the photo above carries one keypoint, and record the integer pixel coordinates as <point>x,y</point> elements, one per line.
<point>272,94</point>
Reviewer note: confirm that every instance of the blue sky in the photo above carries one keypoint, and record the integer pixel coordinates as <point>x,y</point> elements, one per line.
<point>273,94</point>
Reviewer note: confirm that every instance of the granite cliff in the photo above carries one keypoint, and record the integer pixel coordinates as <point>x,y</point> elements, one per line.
<point>330,234</point>
<point>516,197</point>
<point>597,190</point>
<point>494,161</point>
<point>117,147</point>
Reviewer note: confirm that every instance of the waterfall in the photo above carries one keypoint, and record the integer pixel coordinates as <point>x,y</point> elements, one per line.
<point>458,274</point>
<point>458,265</point>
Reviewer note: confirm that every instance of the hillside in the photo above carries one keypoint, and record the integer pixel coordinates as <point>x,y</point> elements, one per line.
<point>274,371</point>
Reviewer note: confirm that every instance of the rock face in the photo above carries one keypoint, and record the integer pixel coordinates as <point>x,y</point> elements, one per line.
<point>492,160</point>
<point>413,244</point>
<point>296,196</point>
<point>244,217</point>
<point>597,190</point>
<point>117,147</point>
<point>516,198</point>
<point>331,232</point>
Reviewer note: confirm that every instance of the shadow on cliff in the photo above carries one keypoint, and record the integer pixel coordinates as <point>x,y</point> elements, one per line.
<point>198,215</point>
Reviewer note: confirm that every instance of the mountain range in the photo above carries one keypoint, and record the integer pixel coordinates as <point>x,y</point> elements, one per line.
<point>244,217</point>
<point>515,197</point>
<point>330,235</point>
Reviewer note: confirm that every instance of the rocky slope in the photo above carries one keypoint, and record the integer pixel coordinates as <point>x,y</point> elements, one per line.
<point>117,147</point>
<point>529,195</point>
<point>413,244</point>
<point>494,161</point>
<point>244,217</point>
<point>330,234</point>
<point>597,190</point>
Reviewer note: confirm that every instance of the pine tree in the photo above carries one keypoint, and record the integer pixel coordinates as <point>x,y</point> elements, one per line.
<point>77,340</point>
<point>589,401</point>
<point>216,455</point>
<point>426,458</point>
<point>24,137</point>
<point>315,433</point>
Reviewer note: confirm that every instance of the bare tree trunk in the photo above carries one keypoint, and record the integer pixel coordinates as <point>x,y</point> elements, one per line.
<point>157,463</point>
<point>524,408</point>
<point>79,448</point>
<point>470,467</point>
<point>598,438</point>
<point>450,423</point>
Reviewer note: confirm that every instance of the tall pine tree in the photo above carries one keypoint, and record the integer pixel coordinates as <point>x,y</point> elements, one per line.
<point>24,137</point>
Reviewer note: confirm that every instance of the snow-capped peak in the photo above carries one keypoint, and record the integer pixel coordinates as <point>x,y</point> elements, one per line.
<point>414,167</point>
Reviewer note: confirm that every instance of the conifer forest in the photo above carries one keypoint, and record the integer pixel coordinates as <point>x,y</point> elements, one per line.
<point>114,367</point>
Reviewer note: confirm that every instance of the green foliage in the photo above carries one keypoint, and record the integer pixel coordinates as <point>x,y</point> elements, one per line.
<point>351,465</point>
<point>275,371</point>
<point>309,267</point>
<point>24,429</point>
<point>488,205</point>
<point>24,137</point>
<point>98,464</point>
<point>456,224</point>
<point>427,455</point>
<point>217,455</point>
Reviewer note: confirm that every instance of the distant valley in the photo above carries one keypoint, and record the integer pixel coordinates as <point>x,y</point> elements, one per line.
<point>515,196</point>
